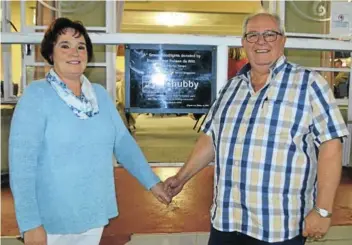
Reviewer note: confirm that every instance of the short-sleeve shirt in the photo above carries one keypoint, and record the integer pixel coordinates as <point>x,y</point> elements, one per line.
<point>266,146</point>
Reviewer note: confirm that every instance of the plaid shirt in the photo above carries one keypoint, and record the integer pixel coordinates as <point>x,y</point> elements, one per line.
<point>266,145</point>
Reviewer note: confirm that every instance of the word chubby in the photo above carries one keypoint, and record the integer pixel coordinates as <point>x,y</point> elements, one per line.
<point>182,84</point>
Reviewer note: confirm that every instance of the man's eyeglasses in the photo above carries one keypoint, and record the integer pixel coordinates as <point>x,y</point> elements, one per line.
<point>269,36</point>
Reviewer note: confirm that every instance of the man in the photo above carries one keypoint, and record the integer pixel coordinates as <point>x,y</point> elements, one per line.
<point>338,63</point>
<point>340,77</point>
<point>275,133</point>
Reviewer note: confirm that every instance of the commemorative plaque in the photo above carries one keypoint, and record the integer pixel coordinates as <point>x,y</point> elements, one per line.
<point>170,78</point>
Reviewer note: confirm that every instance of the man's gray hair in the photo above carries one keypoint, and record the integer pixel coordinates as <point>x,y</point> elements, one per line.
<point>274,16</point>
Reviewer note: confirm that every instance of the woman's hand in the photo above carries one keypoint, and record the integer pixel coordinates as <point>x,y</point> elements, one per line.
<point>36,236</point>
<point>160,194</point>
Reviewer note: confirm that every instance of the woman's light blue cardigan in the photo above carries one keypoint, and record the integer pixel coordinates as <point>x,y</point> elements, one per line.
<point>61,170</point>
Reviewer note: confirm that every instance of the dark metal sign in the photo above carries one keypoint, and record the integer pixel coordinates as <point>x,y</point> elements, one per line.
<point>170,78</point>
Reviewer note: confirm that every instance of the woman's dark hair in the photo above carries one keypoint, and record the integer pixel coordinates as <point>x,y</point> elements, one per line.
<point>59,27</point>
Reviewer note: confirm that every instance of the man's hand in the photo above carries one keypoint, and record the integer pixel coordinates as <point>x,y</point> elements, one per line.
<point>315,227</point>
<point>173,185</point>
<point>36,236</point>
<point>159,192</point>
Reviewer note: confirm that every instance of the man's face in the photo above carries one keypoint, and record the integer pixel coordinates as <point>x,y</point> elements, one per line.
<point>262,54</point>
<point>338,64</point>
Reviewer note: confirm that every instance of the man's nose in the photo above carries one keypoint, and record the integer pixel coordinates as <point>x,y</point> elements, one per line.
<point>261,39</point>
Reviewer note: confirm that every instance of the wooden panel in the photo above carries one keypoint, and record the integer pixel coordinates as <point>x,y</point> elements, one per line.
<point>196,23</point>
<point>181,30</point>
<point>195,6</point>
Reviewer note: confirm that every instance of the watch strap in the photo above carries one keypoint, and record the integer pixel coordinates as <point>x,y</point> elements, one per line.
<point>322,212</point>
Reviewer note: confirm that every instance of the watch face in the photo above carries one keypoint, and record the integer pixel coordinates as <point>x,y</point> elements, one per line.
<point>324,212</point>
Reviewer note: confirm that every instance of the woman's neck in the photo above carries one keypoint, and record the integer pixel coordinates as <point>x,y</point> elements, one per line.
<point>72,82</point>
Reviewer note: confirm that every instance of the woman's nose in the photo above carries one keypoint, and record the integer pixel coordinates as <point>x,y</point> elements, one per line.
<point>74,51</point>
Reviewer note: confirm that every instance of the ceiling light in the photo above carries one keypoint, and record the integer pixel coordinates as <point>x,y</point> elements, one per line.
<point>172,19</point>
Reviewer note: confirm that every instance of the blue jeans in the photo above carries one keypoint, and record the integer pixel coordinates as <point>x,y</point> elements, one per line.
<point>237,238</point>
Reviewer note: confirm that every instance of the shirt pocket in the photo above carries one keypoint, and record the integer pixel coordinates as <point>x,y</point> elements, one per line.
<point>286,118</point>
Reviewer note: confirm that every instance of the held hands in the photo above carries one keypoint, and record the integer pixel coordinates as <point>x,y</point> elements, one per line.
<point>36,236</point>
<point>159,192</point>
<point>315,227</point>
<point>164,192</point>
<point>173,185</point>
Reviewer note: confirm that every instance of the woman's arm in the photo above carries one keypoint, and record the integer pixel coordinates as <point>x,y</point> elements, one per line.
<point>127,151</point>
<point>26,136</point>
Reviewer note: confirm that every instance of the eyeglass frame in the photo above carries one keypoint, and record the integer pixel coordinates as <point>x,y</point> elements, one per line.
<point>262,34</point>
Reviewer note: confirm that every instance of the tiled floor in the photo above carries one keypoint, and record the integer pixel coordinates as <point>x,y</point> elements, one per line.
<point>10,241</point>
<point>336,236</point>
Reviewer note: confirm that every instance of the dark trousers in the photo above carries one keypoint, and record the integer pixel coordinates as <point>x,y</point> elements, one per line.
<point>237,238</point>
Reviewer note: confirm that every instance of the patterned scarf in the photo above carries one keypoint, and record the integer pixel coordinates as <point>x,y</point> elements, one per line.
<point>84,106</point>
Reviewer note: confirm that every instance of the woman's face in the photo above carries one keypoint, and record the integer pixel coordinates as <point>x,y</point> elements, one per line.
<point>70,54</point>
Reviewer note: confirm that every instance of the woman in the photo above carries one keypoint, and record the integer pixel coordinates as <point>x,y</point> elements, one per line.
<point>63,134</point>
<point>236,60</point>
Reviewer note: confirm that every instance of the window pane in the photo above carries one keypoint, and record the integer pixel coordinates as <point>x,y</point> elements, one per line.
<point>98,53</point>
<point>35,73</point>
<point>310,58</point>
<point>159,136</point>
<point>15,16</point>
<point>344,112</point>
<point>44,12</point>
<point>339,82</point>
<point>35,11</point>
<point>90,13</point>
<point>307,17</point>
<point>1,74</point>
<point>16,63</point>
<point>37,55</point>
<point>96,75</point>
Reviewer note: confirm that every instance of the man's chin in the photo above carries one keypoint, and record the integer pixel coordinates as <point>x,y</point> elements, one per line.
<point>261,67</point>
<point>264,63</point>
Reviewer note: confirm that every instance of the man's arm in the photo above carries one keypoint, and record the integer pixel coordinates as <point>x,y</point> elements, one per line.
<point>328,123</point>
<point>341,78</point>
<point>329,173</point>
<point>202,154</point>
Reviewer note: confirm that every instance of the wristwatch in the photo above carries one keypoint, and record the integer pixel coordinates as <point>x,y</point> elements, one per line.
<point>322,212</point>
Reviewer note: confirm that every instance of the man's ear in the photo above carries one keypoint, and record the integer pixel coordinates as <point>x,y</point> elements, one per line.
<point>284,40</point>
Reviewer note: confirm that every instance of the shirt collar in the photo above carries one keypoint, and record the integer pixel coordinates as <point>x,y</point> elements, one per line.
<point>275,68</point>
